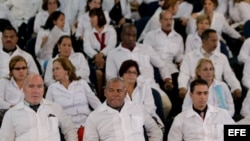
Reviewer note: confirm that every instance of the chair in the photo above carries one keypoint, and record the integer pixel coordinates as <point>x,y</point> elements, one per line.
<point>158,103</point>
<point>140,25</point>
<point>246,29</point>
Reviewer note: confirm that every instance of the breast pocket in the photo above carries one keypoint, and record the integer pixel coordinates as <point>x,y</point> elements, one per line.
<point>136,124</point>
<point>53,124</point>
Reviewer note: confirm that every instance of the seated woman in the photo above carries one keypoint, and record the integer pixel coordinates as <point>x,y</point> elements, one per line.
<point>138,92</point>
<point>48,6</point>
<point>11,88</point>
<point>193,41</point>
<point>64,49</point>
<point>47,38</point>
<point>84,20</point>
<point>72,93</point>
<point>98,41</point>
<point>219,94</point>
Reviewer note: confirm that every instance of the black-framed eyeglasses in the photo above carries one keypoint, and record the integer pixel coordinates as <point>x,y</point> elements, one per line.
<point>20,68</point>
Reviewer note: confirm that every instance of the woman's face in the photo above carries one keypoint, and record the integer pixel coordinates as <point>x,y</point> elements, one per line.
<point>52,5</point>
<point>130,75</point>
<point>65,47</point>
<point>208,6</point>
<point>95,4</point>
<point>202,26</point>
<point>60,21</point>
<point>58,72</point>
<point>206,72</point>
<point>94,21</point>
<point>20,70</point>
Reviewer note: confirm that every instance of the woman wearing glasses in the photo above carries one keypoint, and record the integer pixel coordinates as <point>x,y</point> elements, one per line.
<point>11,87</point>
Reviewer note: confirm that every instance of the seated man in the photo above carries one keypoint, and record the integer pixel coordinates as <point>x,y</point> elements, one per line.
<point>146,58</point>
<point>36,118</point>
<point>201,121</point>
<point>117,119</point>
<point>10,49</point>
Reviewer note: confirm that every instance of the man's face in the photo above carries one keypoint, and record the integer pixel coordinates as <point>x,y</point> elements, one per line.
<point>115,94</point>
<point>33,89</point>
<point>200,96</point>
<point>210,44</point>
<point>129,37</point>
<point>9,39</point>
<point>166,21</point>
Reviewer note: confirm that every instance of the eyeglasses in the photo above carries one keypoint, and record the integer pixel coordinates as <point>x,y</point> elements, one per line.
<point>132,72</point>
<point>20,68</point>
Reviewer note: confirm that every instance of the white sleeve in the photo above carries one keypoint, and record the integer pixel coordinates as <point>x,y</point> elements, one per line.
<point>3,103</point>
<point>48,76</point>
<point>244,51</point>
<point>229,99</point>
<point>111,41</point>
<point>245,110</point>
<point>7,132</point>
<point>246,74</point>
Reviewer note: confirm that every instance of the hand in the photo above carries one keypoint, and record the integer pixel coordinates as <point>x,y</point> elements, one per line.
<point>237,94</point>
<point>122,21</point>
<point>99,60</point>
<point>242,38</point>
<point>168,85</point>
<point>194,15</point>
<point>184,21</point>
<point>182,92</point>
<point>44,40</point>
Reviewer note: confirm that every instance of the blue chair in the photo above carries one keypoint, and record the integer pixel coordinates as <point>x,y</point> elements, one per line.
<point>246,29</point>
<point>158,103</point>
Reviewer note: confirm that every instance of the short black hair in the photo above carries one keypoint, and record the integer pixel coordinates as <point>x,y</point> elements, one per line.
<point>205,34</point>
<point>197,82</point>
<point>126,65</point>
<point>46,2</point>
<point>10,28</point>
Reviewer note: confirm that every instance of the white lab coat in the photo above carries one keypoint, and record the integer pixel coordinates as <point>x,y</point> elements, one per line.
<point>221,66</point>
<point>246,74</point>
<point>107,124</point>
<point>5,59</point>
<point>194,42</point>
<point>21,123</point>
<point>75,100</point>
<point>23,10</point>
<point>189,126</point>
<point>245,109</point>
<point>212,98</point>
<point>244,52</point>
<point>92,46</point>
<point>10,94</point>
<point>169,47</point>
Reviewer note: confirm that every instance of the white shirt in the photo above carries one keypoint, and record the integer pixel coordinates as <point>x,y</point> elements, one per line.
<point>145,56</point>
<point>77,59</point>
<point>189,126</point>
<point>44,52</point>
<point>41,18</point>
<point>125,7</point>
<point>244,51</point>
<point>84,23</point>
<point>218,23</point>
<point>107,124</point>
<point>246,74</point>
<point>23,10</point>
<point>72,10</point>
<point>5,14</point>
<point>169,47</point>
<point>212,97</point>
<point>143,94</point>
<point>21,123</point>
<point>75,100</point>
<point>221,66</point>
<point>194,42</point>
<point>10,94</point>
<point>92,46</point>
<point>5,59</point>
<point>185,9</point>
<point>245,109</point>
